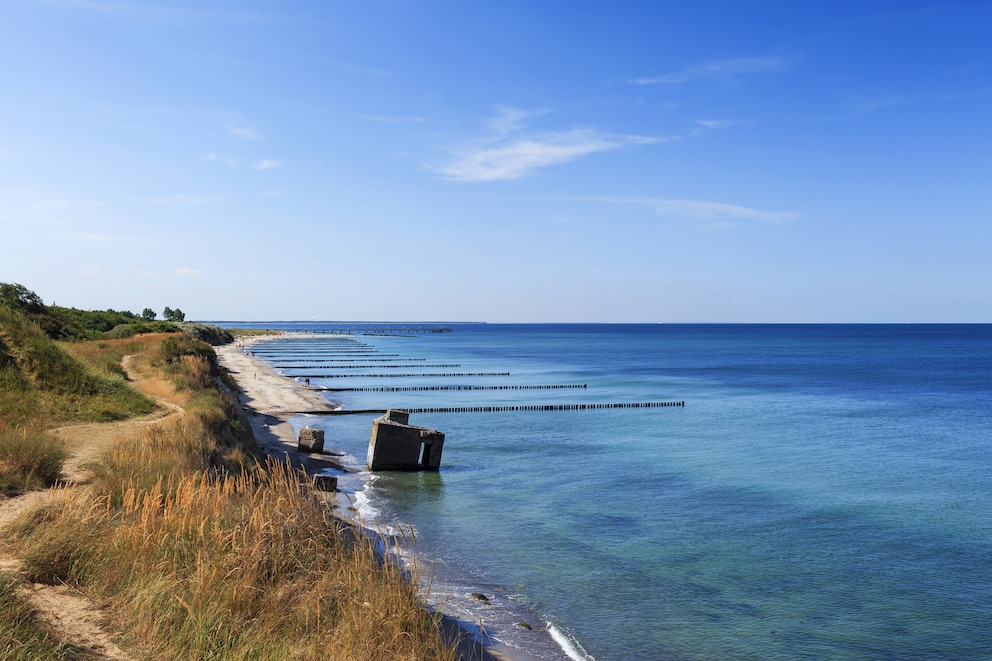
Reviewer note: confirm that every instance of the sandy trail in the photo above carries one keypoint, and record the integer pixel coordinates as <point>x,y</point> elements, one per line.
<point>76,619</point>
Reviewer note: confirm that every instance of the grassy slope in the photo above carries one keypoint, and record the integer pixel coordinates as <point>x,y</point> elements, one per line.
<point>200,551</point>
<point>41,382</point>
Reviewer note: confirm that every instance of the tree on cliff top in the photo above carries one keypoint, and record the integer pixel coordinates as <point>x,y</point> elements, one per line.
<point>173,315</point>
<point>20,297</point>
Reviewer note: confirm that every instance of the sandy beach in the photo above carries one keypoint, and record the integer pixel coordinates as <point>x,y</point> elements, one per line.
<point>269,399</point>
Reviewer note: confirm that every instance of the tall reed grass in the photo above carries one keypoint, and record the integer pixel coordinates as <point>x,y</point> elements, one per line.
<point>228,567</point>
<point>203,552</point>
<point>29,459</point>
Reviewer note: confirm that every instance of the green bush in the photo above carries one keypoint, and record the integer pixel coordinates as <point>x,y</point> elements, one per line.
<point>173,348</point>
<point>120,332</point>
<point>38,377</point>
<point>212,335</point>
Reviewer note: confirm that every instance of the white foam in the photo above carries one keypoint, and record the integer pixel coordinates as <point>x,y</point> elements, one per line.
<point>569,646</point>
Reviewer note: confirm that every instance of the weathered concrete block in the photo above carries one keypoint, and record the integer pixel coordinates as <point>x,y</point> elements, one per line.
<point>396,445</point>
<point>311,440</point>
<point>325,482</point>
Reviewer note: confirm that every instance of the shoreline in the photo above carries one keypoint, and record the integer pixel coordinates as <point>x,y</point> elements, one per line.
<point>269,400</point>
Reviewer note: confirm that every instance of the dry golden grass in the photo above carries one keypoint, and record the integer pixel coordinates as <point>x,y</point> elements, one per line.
<point>30,458</point>
<point>202,553</point>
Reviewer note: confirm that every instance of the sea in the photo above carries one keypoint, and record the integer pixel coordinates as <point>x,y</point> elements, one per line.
<point>819,491</point>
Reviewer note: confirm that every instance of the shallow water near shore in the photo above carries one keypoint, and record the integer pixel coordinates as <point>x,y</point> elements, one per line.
<point>823,493</point>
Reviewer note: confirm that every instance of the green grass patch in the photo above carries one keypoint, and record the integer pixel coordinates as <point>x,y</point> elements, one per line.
<point>252,332</point>
<point>40,380</point>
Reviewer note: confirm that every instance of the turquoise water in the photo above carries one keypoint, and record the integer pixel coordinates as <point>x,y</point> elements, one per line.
<point>824,493</point>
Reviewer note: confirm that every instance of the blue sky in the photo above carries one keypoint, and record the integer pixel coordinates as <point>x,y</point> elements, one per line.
<point>506,161</point>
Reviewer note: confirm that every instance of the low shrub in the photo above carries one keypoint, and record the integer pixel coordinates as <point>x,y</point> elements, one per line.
<point>176,346</point>
<point>29,459</point>
<point>40,379</point>
<point>120,332</point>
<point>212,335</point>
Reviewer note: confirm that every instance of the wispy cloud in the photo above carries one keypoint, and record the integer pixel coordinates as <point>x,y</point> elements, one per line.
<point>718,213</point>
<point>90,271</point>
<point>858,105</point>
<point>225,160</point>
<point>257,164</point>
<point>740,66</point>
<point>721,211</point>
<point>503,154</point>
<point>245,132</point>
<point>517,158</point>
<point>42,201</point>
<point>508,119</point>
<point>362,70</point>
<point>183,272</point>
<point>719,123</point>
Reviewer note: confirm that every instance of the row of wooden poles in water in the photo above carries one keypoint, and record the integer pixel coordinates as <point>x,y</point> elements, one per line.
<point>366,367</point>
<point>372,330</point>
<point>427,388</point>
<point>500,409</point>
<point>435,409</point>
<point>387,376</point>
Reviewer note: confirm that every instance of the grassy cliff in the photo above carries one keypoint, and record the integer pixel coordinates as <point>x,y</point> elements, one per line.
<point>198,546</point>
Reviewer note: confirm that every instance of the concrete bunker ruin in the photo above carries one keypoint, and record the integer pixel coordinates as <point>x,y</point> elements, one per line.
<point>311,440</point>
<point>396,445</point>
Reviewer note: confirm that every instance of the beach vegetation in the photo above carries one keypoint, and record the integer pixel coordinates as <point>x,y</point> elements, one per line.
<point>212,335</point>
<point>40,380</point>
<point>198,545</point>
<point>30,458</point>
<point>20,297</point>
<point>72,324</point>
<point>252,332</point>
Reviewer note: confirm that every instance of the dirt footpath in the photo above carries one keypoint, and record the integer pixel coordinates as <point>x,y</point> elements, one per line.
<point>75,619</point>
